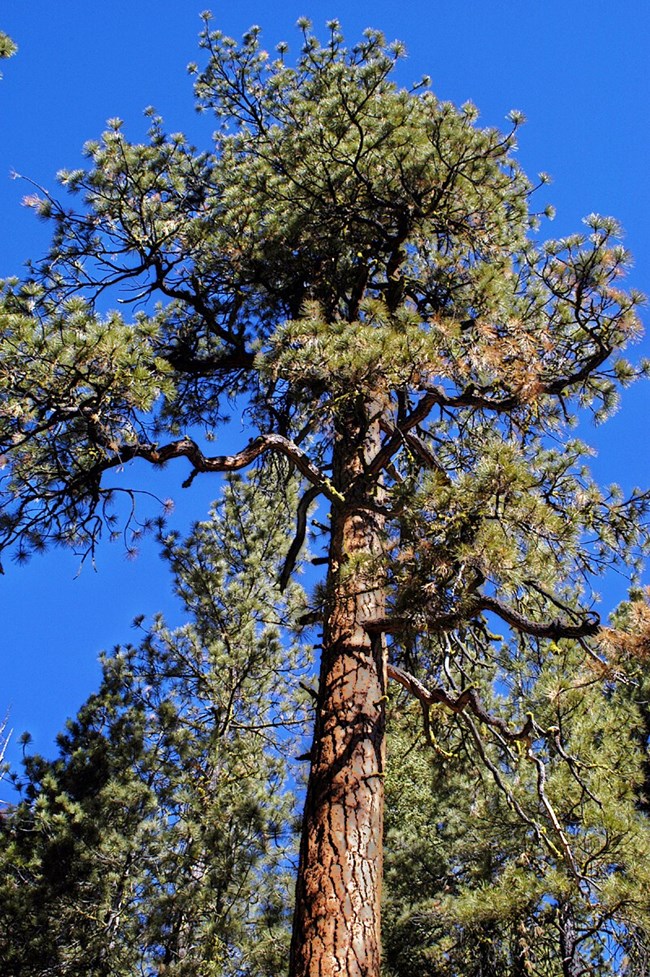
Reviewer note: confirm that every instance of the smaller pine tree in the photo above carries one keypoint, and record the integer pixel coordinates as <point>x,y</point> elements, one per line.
<point>158,840</point>
<point>478,883</point>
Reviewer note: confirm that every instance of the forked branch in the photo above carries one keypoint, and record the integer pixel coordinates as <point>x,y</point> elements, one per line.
<point>468,702</point>
<point>467,698</point>
<point>187,448</point>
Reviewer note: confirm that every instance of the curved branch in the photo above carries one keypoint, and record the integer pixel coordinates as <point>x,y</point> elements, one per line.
<point>301,530</point>
<point>187,448</point>
<point>554,629</point>
<point>468,697</point>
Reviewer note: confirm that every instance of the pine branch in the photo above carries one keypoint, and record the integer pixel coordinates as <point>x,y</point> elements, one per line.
<point>299,538</point>
<point>555,629</point>
<point>188,363</point>
<point>187,448</point>
<point>481,398</point>
<point>468,699</point>
<point>394,443</point>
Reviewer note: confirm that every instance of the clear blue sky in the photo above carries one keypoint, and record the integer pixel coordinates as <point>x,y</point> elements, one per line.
<point>579,71</point>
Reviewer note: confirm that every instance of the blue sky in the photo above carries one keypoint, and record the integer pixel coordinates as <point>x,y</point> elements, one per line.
<point>577,69</point>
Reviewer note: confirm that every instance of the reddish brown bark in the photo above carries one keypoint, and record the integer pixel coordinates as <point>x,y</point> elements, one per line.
<point>338,891</point>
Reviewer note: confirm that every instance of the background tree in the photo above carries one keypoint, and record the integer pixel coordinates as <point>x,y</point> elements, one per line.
<point>4,740</point>
<point>472,886</point>
<point>354,266</point>
<point>159,841</point>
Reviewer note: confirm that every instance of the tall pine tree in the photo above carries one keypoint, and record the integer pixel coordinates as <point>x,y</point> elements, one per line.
<point>355,266</point>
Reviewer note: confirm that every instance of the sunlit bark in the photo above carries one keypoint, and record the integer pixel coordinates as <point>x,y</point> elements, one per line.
<point>336,925</point>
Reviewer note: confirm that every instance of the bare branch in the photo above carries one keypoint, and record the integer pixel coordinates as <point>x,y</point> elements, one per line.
<point>468,697</point>
<point>396,440</point>
<point>187,448</point>
<point>556,629</point>
<point>299,538</point>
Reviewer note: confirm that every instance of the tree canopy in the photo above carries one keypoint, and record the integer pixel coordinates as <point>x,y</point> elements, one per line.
<point>332,205</point>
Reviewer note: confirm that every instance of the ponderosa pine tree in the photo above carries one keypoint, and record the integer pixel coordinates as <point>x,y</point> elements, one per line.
<point>354,266</point>
<point>158,842</point>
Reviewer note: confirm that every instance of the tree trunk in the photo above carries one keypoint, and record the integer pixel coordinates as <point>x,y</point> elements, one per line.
<point>338,890</point>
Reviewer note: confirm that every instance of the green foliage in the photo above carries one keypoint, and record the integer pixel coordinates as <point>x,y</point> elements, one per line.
<point>158,841</point>
<point>472,887</point>
<point>7,47</point>
<point>355,268</point>
<point>84,383</point>
<point>341,238</point>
